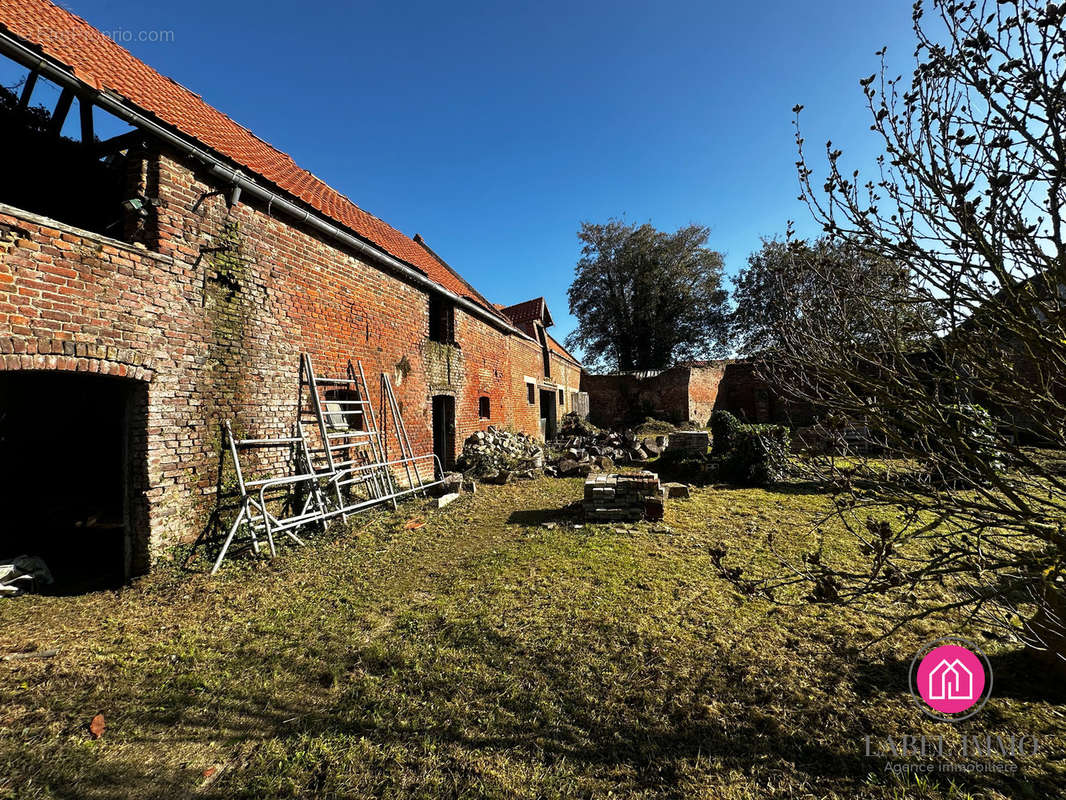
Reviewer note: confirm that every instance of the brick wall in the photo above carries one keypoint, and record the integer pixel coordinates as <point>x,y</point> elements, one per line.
<point>703,386</point>
<point>743,393</point>
<point>210,310</point>
<point>627,398</point>
<point>689,392</point>
<point>527,361</point>
<point>567,376</point>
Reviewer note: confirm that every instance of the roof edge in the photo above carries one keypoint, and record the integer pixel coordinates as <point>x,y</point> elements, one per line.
<point>226,168</point>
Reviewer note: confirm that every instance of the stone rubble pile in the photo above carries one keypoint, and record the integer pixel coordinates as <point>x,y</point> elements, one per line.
<point>498,455</point>
<point>613,498</point>
<point>579,455</point>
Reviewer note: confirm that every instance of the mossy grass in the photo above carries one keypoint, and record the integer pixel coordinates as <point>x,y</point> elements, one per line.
<point>485,655</point>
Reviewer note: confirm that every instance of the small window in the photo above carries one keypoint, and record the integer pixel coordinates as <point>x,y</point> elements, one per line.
<point>531,394</point>
<point>483,407</point>
<point>562,398</point>
<point>441,319</point>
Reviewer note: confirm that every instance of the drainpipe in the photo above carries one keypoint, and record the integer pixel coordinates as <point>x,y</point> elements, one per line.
<point>219,168</point>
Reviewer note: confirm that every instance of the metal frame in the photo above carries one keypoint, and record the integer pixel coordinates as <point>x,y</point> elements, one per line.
<point>406,451</point>
<point>329,480</point>
<point>254,512</point>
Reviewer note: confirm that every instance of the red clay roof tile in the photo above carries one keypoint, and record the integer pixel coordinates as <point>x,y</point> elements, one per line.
<point>103,64</point>
<point>527,311</point>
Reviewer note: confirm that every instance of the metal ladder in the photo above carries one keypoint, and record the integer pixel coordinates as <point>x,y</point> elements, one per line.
<point>350,440</point>
<point>407,453</point>
<point>294,492</point>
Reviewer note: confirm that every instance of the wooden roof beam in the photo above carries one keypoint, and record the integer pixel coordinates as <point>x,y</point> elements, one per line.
<point>59,115</point>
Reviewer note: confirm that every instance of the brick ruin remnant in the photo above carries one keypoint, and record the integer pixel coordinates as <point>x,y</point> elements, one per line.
<point>690,392</point>
<point>688,442</point>
<point>623,498</point>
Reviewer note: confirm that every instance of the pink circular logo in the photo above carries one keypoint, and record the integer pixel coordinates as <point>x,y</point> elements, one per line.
<point>951,678</point>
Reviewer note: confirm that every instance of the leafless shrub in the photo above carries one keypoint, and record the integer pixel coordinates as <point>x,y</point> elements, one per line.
<point>968,201</point>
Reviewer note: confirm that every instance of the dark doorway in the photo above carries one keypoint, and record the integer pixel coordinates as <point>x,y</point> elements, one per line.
<point>71,453</point>
<point>444,430</point>
<point>547,414</point>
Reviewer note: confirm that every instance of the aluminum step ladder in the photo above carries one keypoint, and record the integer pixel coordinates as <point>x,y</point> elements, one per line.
<point>350,450</point>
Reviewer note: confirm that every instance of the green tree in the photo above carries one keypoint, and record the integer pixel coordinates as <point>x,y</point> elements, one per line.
<point>646,299</point>
<point>35,118</point>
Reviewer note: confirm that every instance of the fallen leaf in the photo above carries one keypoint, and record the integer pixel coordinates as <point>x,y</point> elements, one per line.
<point>209,772</point>
<point>96,727</point>
<point>414,524</point>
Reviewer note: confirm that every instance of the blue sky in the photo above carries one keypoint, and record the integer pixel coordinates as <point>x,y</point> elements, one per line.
<point>493,129</point>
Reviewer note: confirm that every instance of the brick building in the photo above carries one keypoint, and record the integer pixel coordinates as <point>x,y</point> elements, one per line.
<point>691,391</point>
<point>159,280</point>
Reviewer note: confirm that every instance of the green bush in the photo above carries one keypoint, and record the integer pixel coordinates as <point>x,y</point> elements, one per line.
<point>750,455</point>
<point>724,429</point>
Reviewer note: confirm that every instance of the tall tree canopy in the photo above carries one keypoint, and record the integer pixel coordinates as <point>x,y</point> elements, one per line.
<point>646,299</point>
<point>866,297</point>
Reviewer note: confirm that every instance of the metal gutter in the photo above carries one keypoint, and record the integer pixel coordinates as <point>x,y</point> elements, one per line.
<point>223,169</point>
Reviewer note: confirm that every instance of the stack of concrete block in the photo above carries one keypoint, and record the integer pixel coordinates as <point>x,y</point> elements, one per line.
<point>615,498</point>
<point>689,443</point>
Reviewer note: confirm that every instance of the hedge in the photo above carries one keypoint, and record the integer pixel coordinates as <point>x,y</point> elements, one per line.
<point>750,455</point>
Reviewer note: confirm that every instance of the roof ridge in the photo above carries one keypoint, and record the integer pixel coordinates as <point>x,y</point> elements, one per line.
<point>417,239</point>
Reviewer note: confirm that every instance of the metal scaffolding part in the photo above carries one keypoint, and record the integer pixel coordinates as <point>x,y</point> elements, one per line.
<point>406,451</point>
<point>257,493</point>
<point>349,444</point>
<point>346,470</point>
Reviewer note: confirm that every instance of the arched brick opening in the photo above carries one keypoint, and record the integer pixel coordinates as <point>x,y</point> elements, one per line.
<point>74,466</point>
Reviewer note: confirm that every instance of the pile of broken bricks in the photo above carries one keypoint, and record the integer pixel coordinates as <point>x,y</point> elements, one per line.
<point>501,456</point>
<point>582,455</point>
<point>497,455</point>
<point>628,497</point>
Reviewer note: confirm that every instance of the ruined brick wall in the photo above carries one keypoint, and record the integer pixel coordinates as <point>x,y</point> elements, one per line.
<point>703,385</point>
<point>608,397</point>
<point>667,396</point>
<point>743,393</point>
<point>212,320</point>
<point>689,392</point>
<point>627,398</point>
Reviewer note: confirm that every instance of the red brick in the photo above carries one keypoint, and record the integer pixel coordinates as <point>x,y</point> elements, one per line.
<point>211,352</point>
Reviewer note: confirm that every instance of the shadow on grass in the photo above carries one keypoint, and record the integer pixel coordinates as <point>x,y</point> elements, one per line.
<point>791,488</point>
<point>603,700</point>
<point>1017,674</point>
<point>533,517</point>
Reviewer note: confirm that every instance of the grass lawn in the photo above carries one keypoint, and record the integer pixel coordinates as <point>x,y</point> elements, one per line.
<point>487,655</point>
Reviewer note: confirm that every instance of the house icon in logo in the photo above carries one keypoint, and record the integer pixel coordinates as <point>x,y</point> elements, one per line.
<point>950,680</point>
